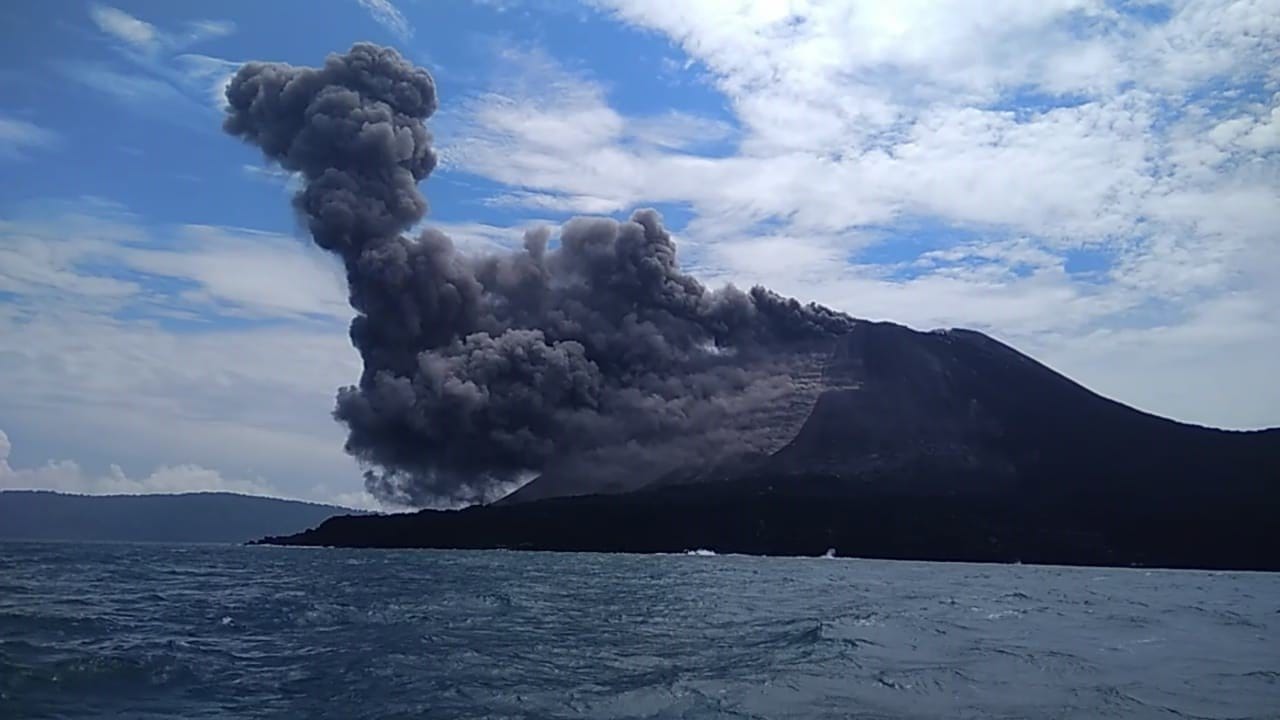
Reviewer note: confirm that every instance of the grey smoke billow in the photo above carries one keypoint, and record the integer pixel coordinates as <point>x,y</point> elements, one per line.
<point>482,369</point>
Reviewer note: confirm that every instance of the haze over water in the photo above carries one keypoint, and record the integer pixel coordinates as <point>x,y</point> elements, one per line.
<point>232,632</point>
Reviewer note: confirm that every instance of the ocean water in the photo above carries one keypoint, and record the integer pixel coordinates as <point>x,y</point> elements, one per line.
<point>141,631</point>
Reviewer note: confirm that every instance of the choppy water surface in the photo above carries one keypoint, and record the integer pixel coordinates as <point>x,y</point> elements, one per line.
<point>228,632</point>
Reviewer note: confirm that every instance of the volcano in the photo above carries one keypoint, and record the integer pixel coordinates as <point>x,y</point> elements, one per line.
<point>957,412</point>
<point>660,414</point>
<point>944,445</point>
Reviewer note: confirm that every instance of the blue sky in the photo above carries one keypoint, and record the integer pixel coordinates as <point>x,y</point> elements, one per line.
<point>1096,182</point>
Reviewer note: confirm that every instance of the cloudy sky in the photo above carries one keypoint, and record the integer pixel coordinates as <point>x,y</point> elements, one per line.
<point>1096,182</point>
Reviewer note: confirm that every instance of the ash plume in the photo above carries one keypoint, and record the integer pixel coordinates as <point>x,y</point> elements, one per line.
<point>483,369</point>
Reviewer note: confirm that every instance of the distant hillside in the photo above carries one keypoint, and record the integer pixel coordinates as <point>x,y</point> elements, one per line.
<point>188,517</point>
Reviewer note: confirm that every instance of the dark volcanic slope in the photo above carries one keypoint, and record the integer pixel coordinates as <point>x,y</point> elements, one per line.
<point>187,517</point>
<point>934,407</point>
<point>955,411</point>
<point>943,445</point>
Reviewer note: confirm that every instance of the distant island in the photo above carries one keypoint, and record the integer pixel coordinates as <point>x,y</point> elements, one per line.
<point>938,446</point>
<point>216,517</point>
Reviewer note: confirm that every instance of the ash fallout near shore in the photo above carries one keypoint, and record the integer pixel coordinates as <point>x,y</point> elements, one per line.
<point>590,347</point>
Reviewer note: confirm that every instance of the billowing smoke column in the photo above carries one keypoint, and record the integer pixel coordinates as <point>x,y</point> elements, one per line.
<point>482,369</point>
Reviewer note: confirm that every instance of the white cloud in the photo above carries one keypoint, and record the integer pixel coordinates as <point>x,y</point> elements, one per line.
<point>862,112</point>
<point>68,476</point>
<point>550,135</point>
<point>73,258</point>
<point>676,130</point>
<point>1215,365</point>
<point>29,267</point>
<point>221,347</point>
<point>214,74</point>
<point>247,402</point>
<point>389,16</point>
<point>479,237</point>
<point>198,30</point>
<point>289,181</point>
<point>124,26</point>
<point>1257,133</point>
<point>19,136</point>
<point>980,146</point>
<point>146,38</point>
<point>159,74</point>
<point>264,274</point>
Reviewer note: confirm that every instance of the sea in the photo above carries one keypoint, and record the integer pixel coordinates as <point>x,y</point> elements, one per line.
<point>210,631</point>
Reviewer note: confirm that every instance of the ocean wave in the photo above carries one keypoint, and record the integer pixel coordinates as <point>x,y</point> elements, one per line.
<point>244,633</point>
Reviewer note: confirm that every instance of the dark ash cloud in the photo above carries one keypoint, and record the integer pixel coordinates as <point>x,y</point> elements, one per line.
<point>481,369</point>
